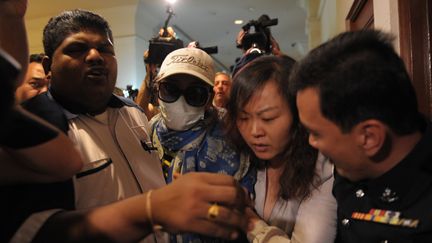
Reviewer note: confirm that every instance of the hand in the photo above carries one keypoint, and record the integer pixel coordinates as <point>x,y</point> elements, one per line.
<point>183,205</point>
<point>13,8</point>
<point>170,32</point>
<point>275,47</point>
<point>252,218</point>
<point>239,38</point>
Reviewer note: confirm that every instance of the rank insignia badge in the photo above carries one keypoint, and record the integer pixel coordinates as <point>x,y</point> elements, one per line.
<point>385,217</point>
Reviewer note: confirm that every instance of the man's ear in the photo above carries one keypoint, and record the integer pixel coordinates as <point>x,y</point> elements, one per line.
<point>372,137</point>
<point>48,76</point>
<point>46,63</point>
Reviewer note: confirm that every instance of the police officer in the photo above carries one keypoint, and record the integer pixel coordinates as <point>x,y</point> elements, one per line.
<point>356,99</point>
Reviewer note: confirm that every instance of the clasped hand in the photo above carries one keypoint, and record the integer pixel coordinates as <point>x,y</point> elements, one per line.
<point>203,203</point>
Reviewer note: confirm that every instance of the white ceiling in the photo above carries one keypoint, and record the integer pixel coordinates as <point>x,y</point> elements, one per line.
<point>43,8</point>
<point>211,22</point>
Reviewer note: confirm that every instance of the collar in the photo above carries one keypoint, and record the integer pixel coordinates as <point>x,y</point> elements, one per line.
<point>114,102</point>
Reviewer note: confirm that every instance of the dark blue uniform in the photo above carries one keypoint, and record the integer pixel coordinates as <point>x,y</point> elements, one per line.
<point>395,207</point>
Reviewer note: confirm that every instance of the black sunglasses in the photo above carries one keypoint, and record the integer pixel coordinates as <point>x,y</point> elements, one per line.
<point>195,95</point>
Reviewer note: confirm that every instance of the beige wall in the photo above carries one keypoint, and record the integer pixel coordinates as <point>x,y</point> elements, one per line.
<point>326,18</point>
<point>328,14</point>
<point>387,18</point>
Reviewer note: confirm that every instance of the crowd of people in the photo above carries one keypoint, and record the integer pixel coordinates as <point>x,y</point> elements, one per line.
<point>330,148</point>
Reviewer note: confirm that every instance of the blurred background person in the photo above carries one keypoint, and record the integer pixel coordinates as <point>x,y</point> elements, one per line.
<point>35,81</point>
<point>146,96</point>
<point>159,47</point>
<point>256,41</point>
<point>294,182</point>
<point>221,89</point>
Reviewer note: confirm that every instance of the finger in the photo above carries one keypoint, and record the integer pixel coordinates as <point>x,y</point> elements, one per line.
<point>214,178</point>
<point>249,196</point>
<point>214,229</point>
<point>230,217</point>
<point>176,175</point>
<point>235,196</point>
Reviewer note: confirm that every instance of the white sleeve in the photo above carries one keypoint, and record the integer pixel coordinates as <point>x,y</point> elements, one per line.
<point>316,217</point>
<point>28,230</point>
<point>315,221</point>
<point>263,233</point>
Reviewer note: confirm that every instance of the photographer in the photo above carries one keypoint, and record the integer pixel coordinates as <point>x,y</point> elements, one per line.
<point>258,43</point>
<point>159,47</point>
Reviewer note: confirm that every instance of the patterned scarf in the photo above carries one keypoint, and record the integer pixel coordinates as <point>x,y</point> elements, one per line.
<point>202,148</point>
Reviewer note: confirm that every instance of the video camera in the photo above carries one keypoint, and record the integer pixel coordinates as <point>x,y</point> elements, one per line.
<point>261,37</point>
<point>209,50</point>
<point>161,45</point>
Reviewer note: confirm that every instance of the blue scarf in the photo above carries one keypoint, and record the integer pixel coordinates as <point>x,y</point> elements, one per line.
<point>203,148</point>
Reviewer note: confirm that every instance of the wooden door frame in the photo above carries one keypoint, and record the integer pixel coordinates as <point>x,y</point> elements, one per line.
<point>360,16</point>
<point>415,29</point>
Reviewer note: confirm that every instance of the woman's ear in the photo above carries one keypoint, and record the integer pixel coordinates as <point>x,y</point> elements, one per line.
<point>371,136</point>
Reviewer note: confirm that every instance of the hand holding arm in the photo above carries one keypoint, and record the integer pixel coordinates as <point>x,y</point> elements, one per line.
<point>260,232</point>
<point>181,206</point>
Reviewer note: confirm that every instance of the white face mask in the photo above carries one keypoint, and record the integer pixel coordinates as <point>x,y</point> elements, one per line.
<point>179,115</point>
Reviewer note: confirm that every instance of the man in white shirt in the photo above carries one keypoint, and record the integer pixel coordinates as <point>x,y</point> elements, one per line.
<point>119,163</point>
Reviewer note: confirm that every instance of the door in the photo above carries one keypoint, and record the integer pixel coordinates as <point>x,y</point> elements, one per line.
<point>415,28</point>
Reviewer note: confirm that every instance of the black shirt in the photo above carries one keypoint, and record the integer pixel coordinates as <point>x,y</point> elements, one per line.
<point>395,207</point>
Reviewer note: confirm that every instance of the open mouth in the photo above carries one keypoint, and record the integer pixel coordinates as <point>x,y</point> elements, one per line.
<point>97,73</point>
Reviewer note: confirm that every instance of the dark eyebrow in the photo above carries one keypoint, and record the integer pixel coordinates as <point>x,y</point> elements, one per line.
<point>266,110</point>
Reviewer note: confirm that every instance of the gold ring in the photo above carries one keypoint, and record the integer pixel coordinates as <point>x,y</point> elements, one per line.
<point>213,211</point>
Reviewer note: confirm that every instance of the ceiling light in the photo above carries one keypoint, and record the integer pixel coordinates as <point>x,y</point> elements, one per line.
<point>171,1</point>
<point>238,21</point>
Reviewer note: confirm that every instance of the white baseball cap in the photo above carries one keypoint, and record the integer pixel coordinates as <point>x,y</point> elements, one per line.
<point>192,61</point>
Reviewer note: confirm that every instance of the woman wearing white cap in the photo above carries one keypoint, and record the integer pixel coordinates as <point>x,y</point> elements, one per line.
<point>188,133</point>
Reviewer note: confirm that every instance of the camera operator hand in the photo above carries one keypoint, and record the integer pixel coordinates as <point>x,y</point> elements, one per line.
<point>275,47</point>
<point>146,90</point>
<point>169,32</point>
<point>239,37</point>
